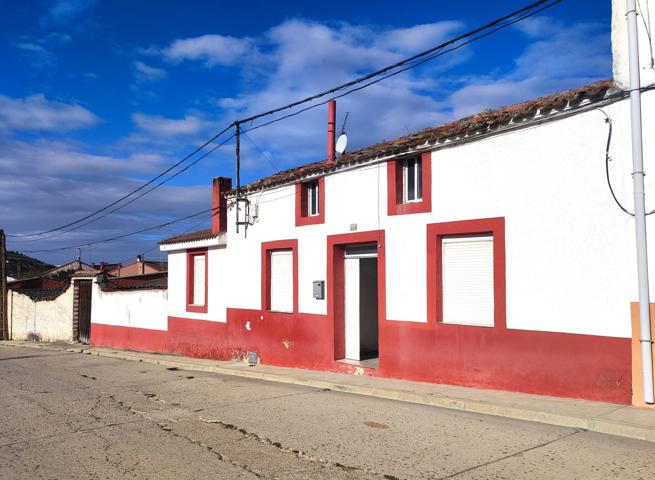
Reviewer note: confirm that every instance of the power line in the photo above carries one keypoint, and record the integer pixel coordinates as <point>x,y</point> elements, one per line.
<point>134,199</point>
<point>149,182</point>
<point>405,61</point>
<point>264,154</point>
<point>187,230</point>
<point>118,237</point>
<point>499,26</point>
<point>408,63</point>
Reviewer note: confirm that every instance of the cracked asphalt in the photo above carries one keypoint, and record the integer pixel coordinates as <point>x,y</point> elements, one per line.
<point>70,416</point>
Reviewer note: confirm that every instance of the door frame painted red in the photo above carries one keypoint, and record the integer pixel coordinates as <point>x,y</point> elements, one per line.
<point>336,247</point>
<point>190,254</point>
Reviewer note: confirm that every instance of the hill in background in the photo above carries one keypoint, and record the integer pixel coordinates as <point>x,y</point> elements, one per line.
<point>22,266</point>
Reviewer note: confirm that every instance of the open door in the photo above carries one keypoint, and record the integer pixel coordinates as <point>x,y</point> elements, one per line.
<point>361,302</point>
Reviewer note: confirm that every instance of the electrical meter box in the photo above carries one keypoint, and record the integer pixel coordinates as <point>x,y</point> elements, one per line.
<point>319,289</point>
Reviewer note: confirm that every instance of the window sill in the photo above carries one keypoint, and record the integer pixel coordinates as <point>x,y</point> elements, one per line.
<point>196,308</point>
<point>410,207</point>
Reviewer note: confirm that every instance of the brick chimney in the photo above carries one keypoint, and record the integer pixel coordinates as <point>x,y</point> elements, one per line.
<point>332,120</point>
<point>220,185</point>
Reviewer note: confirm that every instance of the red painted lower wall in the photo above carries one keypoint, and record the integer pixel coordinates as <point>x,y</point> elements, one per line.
<point>558,364</point>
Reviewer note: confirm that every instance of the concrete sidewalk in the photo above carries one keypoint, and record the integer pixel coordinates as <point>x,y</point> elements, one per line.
<point>609,418</point>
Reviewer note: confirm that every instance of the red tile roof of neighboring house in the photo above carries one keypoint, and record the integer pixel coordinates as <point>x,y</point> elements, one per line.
<point>205,234</point>
<point>480,122</point>
<point>146,281</point>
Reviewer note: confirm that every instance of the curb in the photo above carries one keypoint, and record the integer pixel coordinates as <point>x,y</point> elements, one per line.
<point>592,424</point>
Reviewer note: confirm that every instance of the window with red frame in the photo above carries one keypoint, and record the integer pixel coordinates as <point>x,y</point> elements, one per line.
<point>280,276</point>
<point>197,281</point>
<point>310,202</point>
<point>409,183</point>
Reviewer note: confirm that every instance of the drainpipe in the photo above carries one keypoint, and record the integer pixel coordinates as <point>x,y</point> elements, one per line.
<point>640,204</point>
<point>332,120</point>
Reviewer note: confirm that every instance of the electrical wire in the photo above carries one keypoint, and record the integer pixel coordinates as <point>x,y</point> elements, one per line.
<point>646,20</point>
<point>149,182</point>
<point>134,199</point>
<point>264,154</point>
<point>608,159</point>
<point>143,254</point>
<point>408,63</point>
<point>402,62</point>
<point>118,237</point>
<point>438,51</point>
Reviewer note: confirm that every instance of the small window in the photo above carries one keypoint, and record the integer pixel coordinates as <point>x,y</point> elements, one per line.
<point>468,279</point>
<point>412,180</point>
<point>197,281</point>
<point>281,281</point>
<point>312,198</point>
<point>310,202</point>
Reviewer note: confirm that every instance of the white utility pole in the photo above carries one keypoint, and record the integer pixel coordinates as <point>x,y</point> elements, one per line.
<point>640,203</point>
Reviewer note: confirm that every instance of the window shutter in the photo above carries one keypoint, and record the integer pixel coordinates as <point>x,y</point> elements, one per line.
<point>468,280</point>
<point>199,280</point>
<point>282,281</point>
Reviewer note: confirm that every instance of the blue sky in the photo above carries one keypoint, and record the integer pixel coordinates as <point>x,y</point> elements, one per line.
<point>97,96</point>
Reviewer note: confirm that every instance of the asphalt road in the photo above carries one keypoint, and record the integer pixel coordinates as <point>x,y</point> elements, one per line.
<point>72,416</point>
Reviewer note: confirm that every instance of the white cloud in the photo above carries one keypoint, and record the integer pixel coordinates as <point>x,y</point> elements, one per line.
<point>145,72</point>
<point>64,10</point>
<point>419,37</point>
<point>211,50</point>
<point>39,55</point>
<point>66,182</point>
<point>37,113</point>
<point>557,57</point>
<point>169,127</point>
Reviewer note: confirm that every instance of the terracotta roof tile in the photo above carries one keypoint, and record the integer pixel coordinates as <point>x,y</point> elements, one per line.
<point>147,281</point>
<point>190,237</point>
<point>479,122</point>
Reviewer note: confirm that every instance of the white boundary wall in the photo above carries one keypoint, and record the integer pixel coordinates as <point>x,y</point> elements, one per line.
<point>51,319</point>
<point>130,308</point>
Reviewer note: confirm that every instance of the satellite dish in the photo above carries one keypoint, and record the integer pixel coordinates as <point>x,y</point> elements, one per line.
<point>342,141</point>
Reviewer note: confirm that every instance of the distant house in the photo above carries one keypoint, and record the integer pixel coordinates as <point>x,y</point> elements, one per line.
<point>139,267</point>
<point>64,272</point>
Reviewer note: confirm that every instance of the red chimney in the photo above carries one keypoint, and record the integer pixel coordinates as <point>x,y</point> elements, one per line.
<point>220,185</point>
<point>332,119</point>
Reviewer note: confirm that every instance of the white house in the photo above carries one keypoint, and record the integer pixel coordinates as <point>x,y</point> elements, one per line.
<point>486,252</point>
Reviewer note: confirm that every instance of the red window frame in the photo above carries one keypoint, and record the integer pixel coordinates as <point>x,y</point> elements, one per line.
<point>395,204</point>
<point>190,254</point>
<point>267,248</point>
<point>435,233</point>
<point>302,214</point>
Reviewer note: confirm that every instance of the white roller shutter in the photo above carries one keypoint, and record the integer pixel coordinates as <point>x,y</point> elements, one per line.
<point>198,280</point>
<point>468,280</point>
<point>282,281</point>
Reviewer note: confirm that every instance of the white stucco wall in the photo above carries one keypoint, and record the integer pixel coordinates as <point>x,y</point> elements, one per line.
<point>620,66</point>
<point>133,308</point>
<point>51,319</point>
<point>570,256</point>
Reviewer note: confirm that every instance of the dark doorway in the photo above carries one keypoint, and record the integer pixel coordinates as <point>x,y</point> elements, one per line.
<point>84,311</point>
<point>361,302</point>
